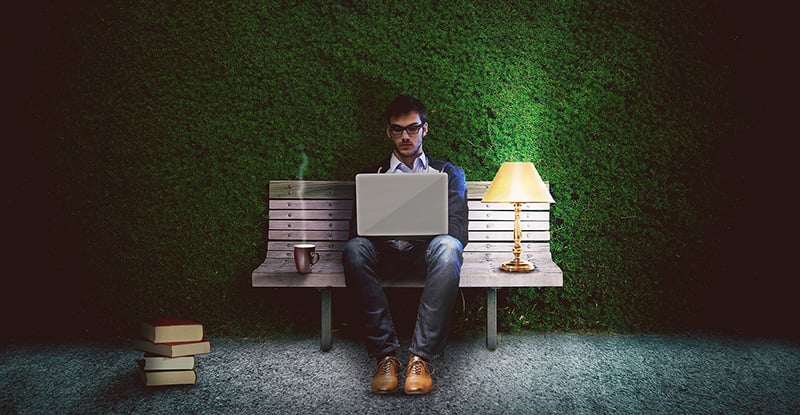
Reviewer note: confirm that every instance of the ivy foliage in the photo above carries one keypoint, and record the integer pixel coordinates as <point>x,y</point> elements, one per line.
<point>178,114</point>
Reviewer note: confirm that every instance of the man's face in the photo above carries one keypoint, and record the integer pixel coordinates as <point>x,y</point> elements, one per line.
<point>407,146</point>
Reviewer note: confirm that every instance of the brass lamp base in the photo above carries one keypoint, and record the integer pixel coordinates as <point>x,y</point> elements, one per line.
<point>517,265</point>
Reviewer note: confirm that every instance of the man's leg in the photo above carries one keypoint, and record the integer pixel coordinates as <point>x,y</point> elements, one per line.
<point>360,259</point>
<point>444,257</point>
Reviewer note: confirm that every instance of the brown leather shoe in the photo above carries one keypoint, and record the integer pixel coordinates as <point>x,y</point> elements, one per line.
<point>385,379</point>
<point>418,377</point>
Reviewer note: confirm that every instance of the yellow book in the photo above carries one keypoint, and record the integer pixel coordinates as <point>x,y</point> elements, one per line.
<point>173,349</point>
<point>169,330</point>
<point>155,362</point>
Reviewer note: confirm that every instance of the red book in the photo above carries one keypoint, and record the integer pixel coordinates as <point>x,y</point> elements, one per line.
<point>170,330</point>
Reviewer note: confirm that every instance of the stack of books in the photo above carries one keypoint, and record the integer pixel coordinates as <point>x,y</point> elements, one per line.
<point>170,346</point>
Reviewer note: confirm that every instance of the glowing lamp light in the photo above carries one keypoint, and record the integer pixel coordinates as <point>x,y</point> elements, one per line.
<point>517,183</point>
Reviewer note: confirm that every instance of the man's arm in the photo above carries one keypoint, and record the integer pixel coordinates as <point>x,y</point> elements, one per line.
<point>458,211</point>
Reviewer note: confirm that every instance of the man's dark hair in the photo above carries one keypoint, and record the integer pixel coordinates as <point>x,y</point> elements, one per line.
<point>404,104</point>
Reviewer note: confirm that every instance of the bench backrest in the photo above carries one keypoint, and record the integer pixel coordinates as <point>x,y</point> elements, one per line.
<point>319,212</point>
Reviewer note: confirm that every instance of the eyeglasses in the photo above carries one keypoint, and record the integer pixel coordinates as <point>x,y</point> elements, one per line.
<point>410,129</point>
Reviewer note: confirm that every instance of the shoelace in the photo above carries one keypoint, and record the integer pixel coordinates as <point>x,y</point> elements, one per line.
<point>417,367</point>
<point>386,365</point>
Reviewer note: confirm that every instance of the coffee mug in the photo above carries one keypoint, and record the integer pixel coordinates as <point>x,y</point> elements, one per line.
<point>305,256</point>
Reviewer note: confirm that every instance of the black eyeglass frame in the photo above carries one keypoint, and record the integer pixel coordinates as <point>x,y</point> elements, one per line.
<point>397,130</point>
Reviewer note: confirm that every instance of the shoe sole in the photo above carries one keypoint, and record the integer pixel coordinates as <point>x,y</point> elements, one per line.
<point>419,392</point>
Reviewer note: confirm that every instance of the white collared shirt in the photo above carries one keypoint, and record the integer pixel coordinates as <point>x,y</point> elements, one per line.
<point>420,165</point>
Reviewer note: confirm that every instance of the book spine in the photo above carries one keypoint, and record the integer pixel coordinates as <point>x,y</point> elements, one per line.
<point>168,363</point>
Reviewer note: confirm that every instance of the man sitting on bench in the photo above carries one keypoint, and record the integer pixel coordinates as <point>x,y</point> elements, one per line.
<point>366,261</point>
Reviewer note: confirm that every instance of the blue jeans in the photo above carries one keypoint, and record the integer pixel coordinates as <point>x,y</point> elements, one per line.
<point>367,263</point>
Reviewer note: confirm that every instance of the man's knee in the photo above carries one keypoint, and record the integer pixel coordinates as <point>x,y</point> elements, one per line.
<point>357,251</point>
<point>445,248</point>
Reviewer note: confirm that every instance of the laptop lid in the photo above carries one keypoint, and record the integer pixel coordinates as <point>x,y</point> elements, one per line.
<point>401,204</point>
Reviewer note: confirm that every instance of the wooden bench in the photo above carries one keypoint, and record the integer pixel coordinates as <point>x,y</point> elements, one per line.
<point>318,212</point>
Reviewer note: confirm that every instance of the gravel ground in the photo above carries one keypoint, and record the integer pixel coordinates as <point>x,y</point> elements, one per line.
<point>528,373</point>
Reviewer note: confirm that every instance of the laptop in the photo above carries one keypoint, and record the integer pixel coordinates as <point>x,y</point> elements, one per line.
<point>401,204</point>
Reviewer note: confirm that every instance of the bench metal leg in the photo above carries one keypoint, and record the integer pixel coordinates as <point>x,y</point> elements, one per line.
<point>491,318</point>
<point>325,324</point>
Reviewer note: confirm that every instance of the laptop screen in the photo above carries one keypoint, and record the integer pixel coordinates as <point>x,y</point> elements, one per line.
<point>401,204</point>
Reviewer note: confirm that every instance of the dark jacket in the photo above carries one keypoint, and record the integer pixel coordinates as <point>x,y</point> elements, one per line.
<point>458,212</point>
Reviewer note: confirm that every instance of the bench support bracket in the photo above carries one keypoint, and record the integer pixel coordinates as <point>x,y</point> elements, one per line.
<point>325,322</point>
<point>491,318</point>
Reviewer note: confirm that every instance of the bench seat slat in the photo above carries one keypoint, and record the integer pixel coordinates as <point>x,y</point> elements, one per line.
<point>305,204</point>
<point>342,214</point>
<point>347,205</point>
<point>330,261</point>
<point>478,246</point>
<point>469,256</point>
<point>279,249</point>
<point>506,236</point>
<point>309,225</point>
<point>476,225</point>
<point>321,245</point>
<point>496,279</point>
<point>480,225</point>
<point>329,214</point>
<point>325,256</point>
<point>477,205</point>
<point>310,189</point>
<point>482,272</point>
<point>508,215</point>
<point>301,235</point>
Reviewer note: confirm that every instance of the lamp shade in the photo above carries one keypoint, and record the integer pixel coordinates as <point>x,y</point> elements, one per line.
<point>517,183</point>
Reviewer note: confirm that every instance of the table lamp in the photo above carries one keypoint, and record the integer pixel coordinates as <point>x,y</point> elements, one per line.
<point>517,183</point>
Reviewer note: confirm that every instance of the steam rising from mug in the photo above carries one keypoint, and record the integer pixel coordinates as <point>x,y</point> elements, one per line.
<point>303,163</point>
<point>300,174</point>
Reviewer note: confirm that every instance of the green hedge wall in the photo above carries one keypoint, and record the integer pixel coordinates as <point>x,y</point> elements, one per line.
<point>172,117</point>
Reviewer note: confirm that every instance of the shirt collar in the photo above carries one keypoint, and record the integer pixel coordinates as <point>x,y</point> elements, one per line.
<point>420,164</point>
